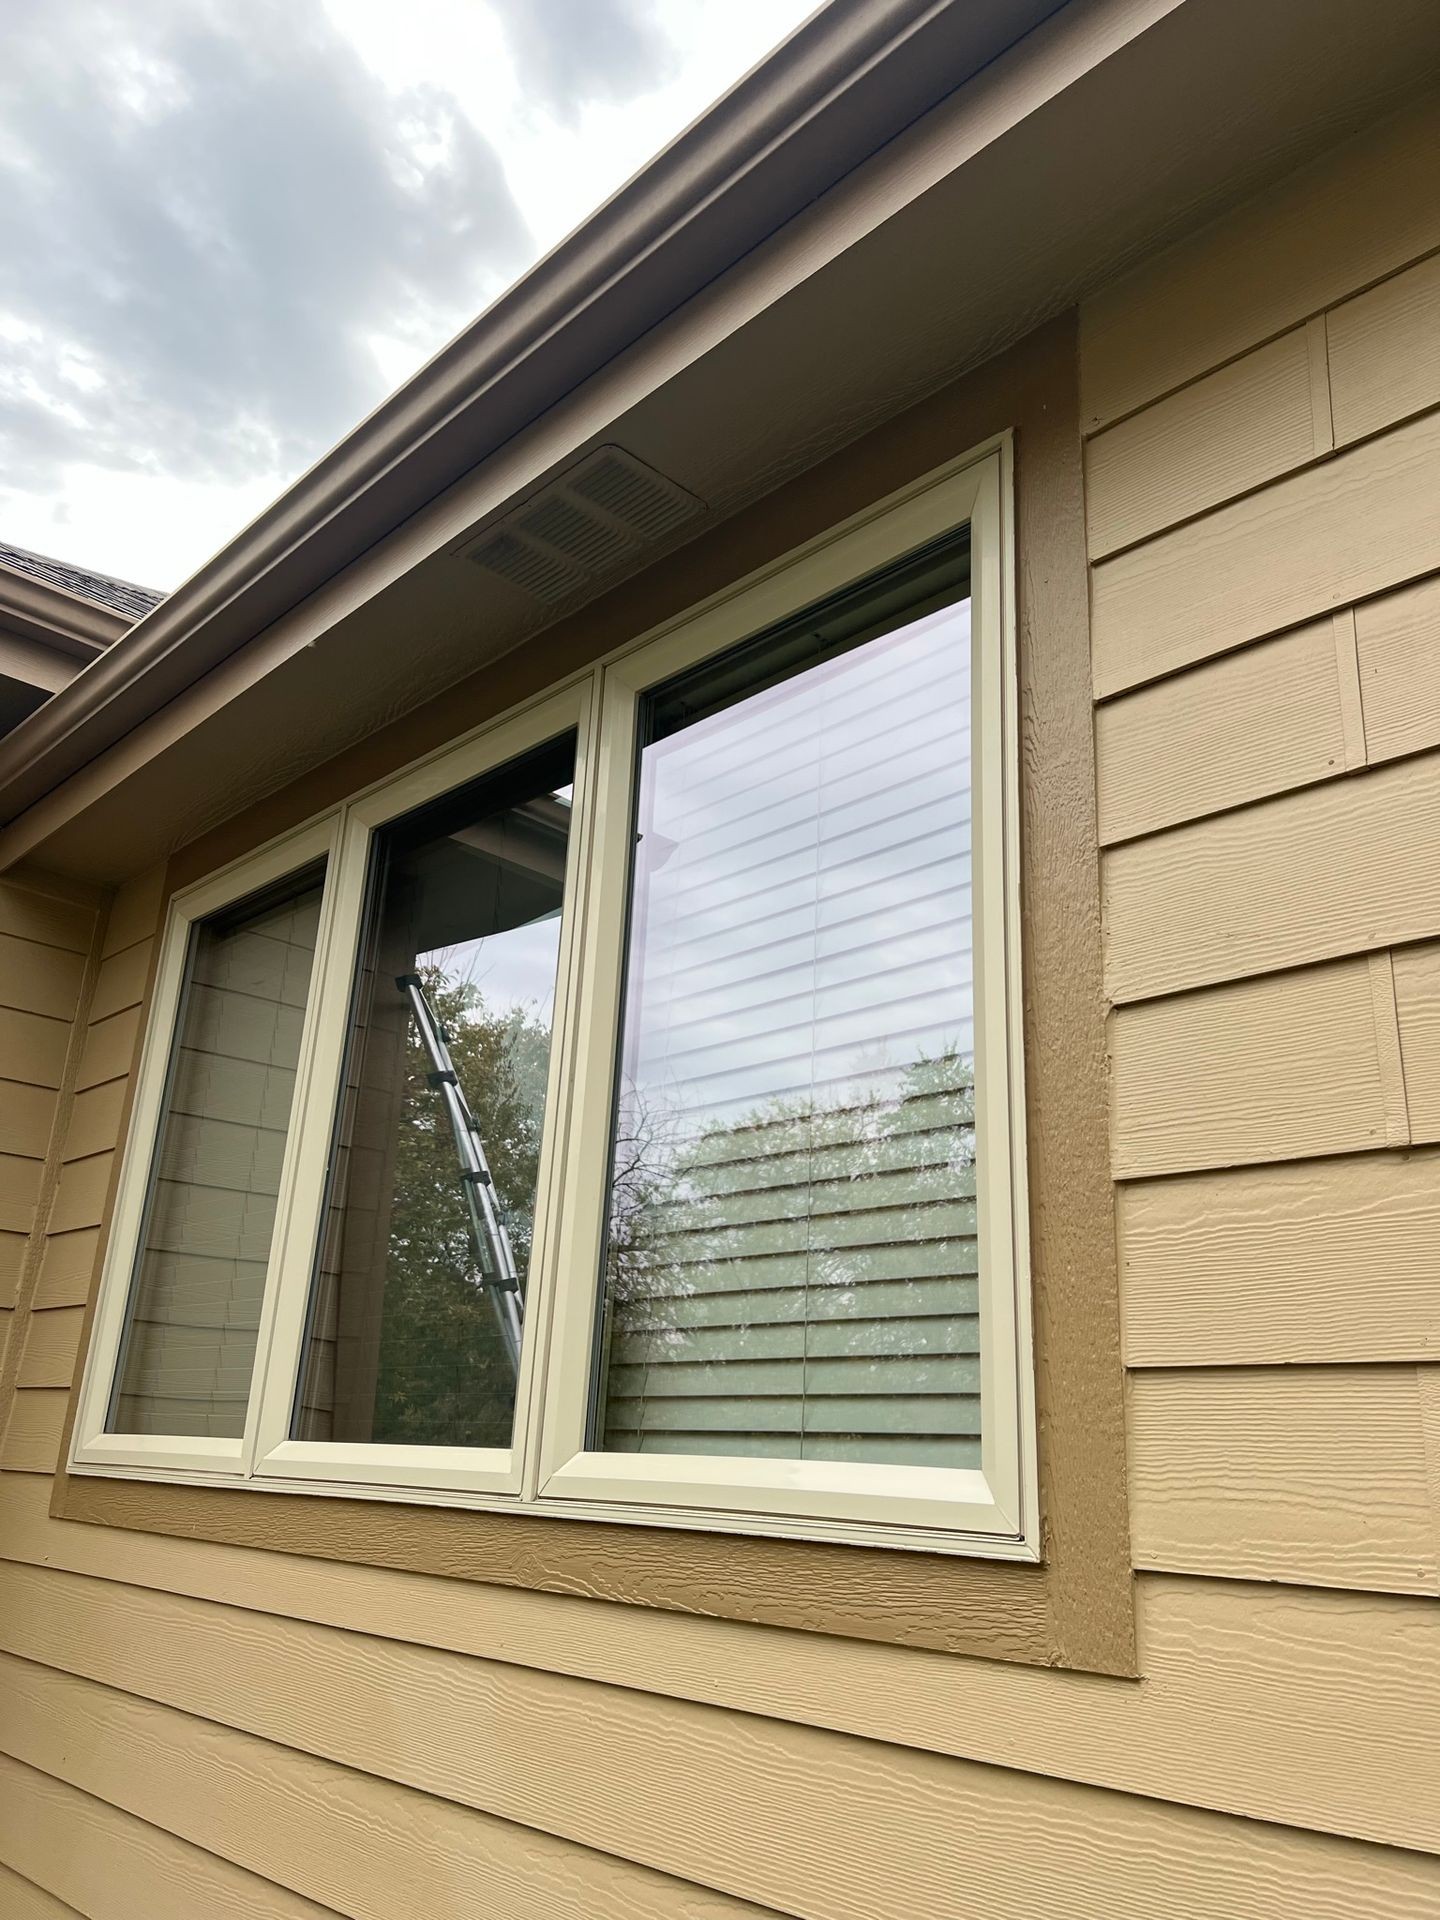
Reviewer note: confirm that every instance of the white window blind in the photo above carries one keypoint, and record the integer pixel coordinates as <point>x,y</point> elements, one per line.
<point>792,1260</point>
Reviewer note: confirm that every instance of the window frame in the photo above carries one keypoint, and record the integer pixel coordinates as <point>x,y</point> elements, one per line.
<point>92,1447</point>
<point>494,1470</point>
<point>992,1508</point>
<point>547,1470</point>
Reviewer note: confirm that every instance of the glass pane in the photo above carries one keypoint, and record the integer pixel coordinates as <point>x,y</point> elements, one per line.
<point>791,1260</point>
<point>189,1347</point>
<point>418,1303</point>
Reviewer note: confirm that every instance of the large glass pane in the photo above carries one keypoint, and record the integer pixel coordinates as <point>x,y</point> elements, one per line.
<point>791,1260</point>
<point>418,1304</point>
<point>189,1346</point>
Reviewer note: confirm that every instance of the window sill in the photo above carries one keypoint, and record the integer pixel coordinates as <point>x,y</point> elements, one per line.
<point>971,1543</point>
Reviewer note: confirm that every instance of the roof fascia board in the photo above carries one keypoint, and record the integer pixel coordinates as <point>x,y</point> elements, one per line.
<point>840,88</point>
<point>33,664</point>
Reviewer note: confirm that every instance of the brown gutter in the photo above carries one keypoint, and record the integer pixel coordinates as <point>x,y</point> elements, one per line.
<point>844,84</point>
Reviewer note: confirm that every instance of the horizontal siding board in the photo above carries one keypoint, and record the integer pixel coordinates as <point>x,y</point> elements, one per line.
<point>814,1377</point>
<point>120,982</point>
<point>245,1092</point>
<point>1397,641</point>
<point>1417,1007</point>
<point>31,1441</point>
<point>80,1193</point>
<point>1274,1069</point>
<point>109,1048</point>
<point>1340,869</point>
<point>21,1899</point>
<point>12,1258</point>
<point>1312,1475</point>
<point>39,979</point>
<point>51,1340</point>
<point>1359,1676</point>
<point>1370,362</point>
<point>19,1190</point>
<point>28,914</point>
<point>359,1845</point>
<point>787,1340</point>
<point>110,1866</point>
<point>1384,351</point>
<point>1360,212</point>
<point>94,1124</point>
<point>1256,722</point>
<point>940,1415</point>
<point>1358,524</point>
<point>67,1267</point>
<point>943,1291</point>
<point>1220,436</point>
<point>32,1047</point>
<point>134,912</point>
<point>1323,1262</point>
<point>874,1449</point>
<point>27,1114</point>
<point>684,1790</point>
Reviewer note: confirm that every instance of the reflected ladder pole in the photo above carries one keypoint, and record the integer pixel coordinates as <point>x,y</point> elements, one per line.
<point>494,1257</point>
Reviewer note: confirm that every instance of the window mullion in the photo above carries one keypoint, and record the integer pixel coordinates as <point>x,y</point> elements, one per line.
<point>552,1275</point>
<point>586,1162</point>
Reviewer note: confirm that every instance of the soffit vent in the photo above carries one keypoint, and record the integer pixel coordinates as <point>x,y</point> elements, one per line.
<point>594,520</point>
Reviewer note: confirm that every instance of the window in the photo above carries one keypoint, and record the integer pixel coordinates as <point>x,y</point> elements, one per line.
<point>790,1251</point>
<point>415,1325</point>
<point>620,1114</point>
<point>192,1260</point>
<point>188,1349</point>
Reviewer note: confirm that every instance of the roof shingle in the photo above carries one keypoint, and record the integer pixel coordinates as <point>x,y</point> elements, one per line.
<point>120,596</point>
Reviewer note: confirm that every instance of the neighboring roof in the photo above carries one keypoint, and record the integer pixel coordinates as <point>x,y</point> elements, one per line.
<point>55,620</point>
<point>120,596</point>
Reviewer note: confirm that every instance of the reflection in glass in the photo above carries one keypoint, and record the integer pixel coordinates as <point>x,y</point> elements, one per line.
<point>408,1343</point>
<point>791,1259</point>
<point>189,1346</point>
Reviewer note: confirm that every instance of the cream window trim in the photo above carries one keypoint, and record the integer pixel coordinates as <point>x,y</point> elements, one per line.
<point>943,1508</point>
<point>990,1511</point>
<point>91,1445</point>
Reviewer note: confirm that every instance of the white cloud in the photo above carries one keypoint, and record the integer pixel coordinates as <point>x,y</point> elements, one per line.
<point>242,226</point>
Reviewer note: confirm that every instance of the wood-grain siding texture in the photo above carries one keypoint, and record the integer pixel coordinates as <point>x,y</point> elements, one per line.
<point>189,1726</point>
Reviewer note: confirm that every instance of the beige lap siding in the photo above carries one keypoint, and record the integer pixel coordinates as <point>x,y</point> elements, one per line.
<point>48,971</point>
<point>208,1713</point>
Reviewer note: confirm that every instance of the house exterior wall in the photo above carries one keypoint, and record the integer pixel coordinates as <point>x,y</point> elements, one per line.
<point>188,1727</point>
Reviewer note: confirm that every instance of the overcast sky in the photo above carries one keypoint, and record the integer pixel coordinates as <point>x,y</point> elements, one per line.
<point>232,226</point>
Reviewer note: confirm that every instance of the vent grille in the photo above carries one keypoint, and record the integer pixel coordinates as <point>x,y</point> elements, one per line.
<point>589,523</point>
<point>526,565</point>
<point>632,494</point>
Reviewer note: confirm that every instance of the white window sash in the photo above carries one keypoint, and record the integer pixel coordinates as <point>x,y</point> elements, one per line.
<point>91,1445</point>
<point>488,1470</point>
